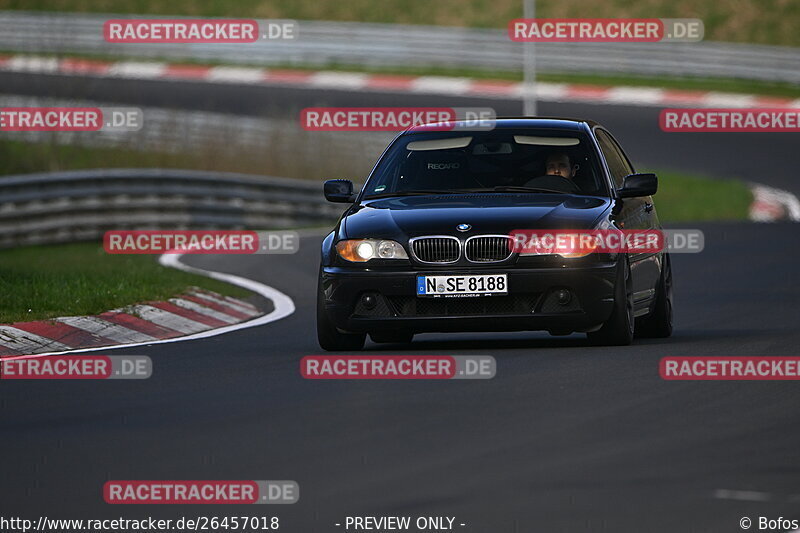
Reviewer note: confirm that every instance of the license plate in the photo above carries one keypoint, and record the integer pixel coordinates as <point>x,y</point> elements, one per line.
<point>462,286</point>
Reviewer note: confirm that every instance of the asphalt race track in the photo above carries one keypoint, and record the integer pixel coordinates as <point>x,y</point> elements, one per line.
<point>567,437</point>
<point>564,438</point>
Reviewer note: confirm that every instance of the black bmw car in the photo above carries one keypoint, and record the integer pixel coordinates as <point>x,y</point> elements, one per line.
<point>424,246</point>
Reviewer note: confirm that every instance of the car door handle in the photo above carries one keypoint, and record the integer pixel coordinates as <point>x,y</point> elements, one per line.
<point>648,207</point>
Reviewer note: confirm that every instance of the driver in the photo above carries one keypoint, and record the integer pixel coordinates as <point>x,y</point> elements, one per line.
<point>560,171</point>
<point>559,164</point>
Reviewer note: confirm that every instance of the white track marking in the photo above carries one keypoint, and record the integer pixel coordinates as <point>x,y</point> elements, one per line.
<point>160,317</point>
<point>240,303</point>
<point>550,91</point>
<point>207,311</point>
<point>636,95</point>
<point>22,341</point>
<point>33,64</point>
<point>440,85</point>
<point>339,80</point>
<point>236,75</point>
<point>770,203</point>
<point>104,328</point>
<point>219,301</point>
<point>715,99</point>
<point>131,69</point>
<point>284,306</point>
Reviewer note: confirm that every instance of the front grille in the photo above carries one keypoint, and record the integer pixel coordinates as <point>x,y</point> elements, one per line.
<point>440,250</point>
<point>488,248</point>
<point>513,304</point>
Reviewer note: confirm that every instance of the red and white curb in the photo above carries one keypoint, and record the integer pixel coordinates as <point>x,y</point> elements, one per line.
<point>194,315</point>
<point>189,313</point>
<point>770,205</point>
<point>354,81</point>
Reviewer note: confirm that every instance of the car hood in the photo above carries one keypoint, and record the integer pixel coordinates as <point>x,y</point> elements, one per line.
<point>412,216</point>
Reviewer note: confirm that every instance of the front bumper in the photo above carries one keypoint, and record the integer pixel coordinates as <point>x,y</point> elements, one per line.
<point>531,303</point>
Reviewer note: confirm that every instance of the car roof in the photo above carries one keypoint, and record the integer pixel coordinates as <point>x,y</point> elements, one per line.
<point>556,123</point>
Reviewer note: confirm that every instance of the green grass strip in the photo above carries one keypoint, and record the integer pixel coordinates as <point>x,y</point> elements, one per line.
<point>688,198</point>
<point>41,282</point>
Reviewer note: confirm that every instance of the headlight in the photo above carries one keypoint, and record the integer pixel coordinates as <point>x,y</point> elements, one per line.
<point>600,231</point>
<point>361,250</point>
<point>571,252</point>
<point>606,226</point>
<point>567,243</point>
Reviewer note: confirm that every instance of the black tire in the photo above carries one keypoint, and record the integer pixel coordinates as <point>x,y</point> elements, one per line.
<point>395,337</point>
<point>658,324</point>
<point>618,329</point>
<point>329,337</point>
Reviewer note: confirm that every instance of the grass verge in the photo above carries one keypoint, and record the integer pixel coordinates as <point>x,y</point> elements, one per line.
<point>688,198</point>
<point>41,282</point>
<point>19,157</point>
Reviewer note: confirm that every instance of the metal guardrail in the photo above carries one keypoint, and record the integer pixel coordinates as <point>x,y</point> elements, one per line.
<point>324,43</point>
<point>73,206</point>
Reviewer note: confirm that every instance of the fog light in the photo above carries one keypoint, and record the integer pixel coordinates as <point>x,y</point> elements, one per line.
<point>369,301</point>
<point>563,296</point>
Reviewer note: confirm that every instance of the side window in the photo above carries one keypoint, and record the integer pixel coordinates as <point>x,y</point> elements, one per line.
<point>617,163</point>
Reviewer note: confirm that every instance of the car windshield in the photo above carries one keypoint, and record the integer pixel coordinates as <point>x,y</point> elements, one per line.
<point>519,160</point>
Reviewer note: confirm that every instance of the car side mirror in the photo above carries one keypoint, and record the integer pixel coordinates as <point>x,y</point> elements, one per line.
<point>339,191</point>
<point>636,185</point>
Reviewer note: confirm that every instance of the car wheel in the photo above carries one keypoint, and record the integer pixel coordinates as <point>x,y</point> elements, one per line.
<point>328,336</point>
<point>618,329</point>
<point>399,337</point>
<point>658,323</point>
